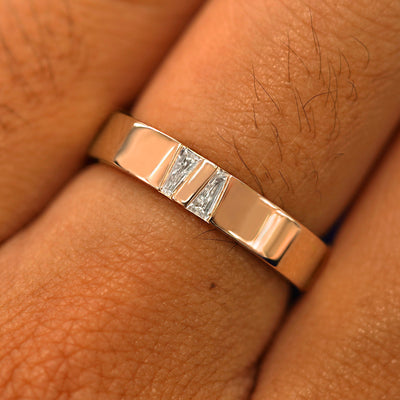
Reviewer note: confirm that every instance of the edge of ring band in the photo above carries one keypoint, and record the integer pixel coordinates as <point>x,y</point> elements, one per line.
<point>113,141</point>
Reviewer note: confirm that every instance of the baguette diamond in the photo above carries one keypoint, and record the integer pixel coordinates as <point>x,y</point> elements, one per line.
<point>204,203</point>
<point>185,163</point>
<point>212,194</point>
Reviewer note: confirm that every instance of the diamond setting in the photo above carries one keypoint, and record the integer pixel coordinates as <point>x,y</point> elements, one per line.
<point>186,161</point>
<point>204,204</point>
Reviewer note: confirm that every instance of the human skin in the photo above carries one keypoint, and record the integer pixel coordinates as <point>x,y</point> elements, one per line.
<point>112,291</point>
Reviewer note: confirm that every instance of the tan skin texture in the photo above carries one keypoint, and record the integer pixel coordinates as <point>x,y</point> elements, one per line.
<point>65,66</point>
<point>112,291</point>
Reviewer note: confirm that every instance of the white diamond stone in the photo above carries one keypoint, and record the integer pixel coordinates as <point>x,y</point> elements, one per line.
<point>184,164</point>
<point>204,203</point>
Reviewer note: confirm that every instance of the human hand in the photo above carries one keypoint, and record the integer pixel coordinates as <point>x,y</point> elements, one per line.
<point>112,291</point>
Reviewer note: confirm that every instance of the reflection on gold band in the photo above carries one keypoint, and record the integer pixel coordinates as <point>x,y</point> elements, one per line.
<point>212,194</point>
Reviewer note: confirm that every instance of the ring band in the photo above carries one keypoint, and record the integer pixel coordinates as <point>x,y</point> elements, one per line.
<point>212,194</point>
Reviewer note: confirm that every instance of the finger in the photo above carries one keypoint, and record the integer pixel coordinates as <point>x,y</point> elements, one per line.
<point>167,308</point>
<point>148,302</point>
<point>297,105</point>
<point>66,65</point>
<point>342,341</point>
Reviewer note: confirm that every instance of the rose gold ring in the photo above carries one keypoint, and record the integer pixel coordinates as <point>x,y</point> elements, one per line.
<point>212,194</point>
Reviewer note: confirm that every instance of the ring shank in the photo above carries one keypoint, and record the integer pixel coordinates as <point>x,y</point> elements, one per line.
<point>239,211</point>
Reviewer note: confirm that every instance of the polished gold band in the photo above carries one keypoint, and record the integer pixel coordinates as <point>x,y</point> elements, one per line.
<point>212,194</point>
